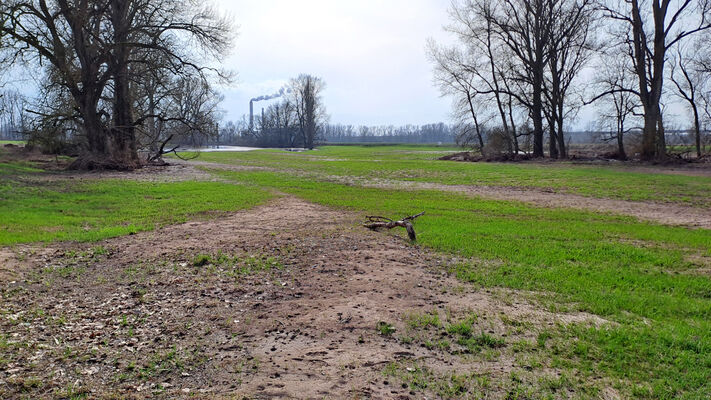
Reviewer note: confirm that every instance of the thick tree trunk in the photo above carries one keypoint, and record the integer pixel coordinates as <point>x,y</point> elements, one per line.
<point>552,146</point>
<point>537,104</point>
<point>649,136</point>
<point>123,135</point>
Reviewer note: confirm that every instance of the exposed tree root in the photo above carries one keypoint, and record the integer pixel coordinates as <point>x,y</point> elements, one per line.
<point>97,163</point>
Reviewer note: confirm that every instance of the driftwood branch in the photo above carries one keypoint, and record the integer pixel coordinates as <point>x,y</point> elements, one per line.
<point>377,222</point>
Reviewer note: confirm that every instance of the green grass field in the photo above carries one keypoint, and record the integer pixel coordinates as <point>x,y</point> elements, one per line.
<point>88,211</point>
<point>650,281</point>
<point>420,164</point>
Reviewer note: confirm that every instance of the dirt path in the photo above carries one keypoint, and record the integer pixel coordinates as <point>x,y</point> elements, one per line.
<point>668,214</point>
<point>286,305</point>
<point>664,213</point>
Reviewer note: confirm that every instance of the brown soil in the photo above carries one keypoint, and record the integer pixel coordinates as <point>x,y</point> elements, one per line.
<point>668,214</point>
<point>133,317</point>
<point>674,167</point>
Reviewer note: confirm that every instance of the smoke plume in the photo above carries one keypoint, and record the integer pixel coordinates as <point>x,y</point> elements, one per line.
<point>276,95</point>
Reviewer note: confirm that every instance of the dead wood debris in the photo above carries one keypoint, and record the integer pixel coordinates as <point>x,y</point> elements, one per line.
<point>377,222</point>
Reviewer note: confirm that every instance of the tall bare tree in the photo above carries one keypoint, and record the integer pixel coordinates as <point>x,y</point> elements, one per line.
<point>523,26</point>
<point>455,78</point>
<point>621,102</point>
<point>570,48</point>
<point>476,71</point>
<point>655,26</point>
<point>306,96</point>
<point>690,82</point>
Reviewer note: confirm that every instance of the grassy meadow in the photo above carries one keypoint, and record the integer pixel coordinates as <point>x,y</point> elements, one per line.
<point>420,164</point>
<point>650,282</point>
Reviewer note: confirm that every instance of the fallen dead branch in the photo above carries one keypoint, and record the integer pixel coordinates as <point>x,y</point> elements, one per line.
<point>377,222</point>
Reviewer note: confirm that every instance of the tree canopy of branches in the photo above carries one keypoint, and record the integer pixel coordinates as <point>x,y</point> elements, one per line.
<point>653,28</point>
<point>518,58</point>
<point>306,96</point>
<point>617,80</point>
<point>99,53</point>
<point>691,82</point>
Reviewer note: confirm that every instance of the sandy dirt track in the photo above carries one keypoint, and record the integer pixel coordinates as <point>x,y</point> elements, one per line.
<point>141,319</point>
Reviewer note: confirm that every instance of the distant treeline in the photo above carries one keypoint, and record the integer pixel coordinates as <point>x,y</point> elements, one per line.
<point>429,133</point>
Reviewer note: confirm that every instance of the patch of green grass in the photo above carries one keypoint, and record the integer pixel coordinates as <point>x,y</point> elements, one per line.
<point>92,211</point>
<point>237,266</point>
<point>16,168</point>
<point>420,164</point>
<point>201,260</point>
<point>385,328</point>
<point>254,264</point>
<point>453,385</point>
<point>463,327</point>
<point>434,333</point>
<point>423,320</point>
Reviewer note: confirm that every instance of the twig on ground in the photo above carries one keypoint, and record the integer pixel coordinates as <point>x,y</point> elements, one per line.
<point>377,222</point>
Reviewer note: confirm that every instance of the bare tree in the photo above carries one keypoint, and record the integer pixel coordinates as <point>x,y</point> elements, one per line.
<point>278,126</point>
<point>570,48</point>
<point>621,101</point>
<point>475,72</point>
<point>14,119</point>
<point>655,26</point>
<point>306,92</point>
<point>523,26</point>
<point>93,47</point>
<point>689,81</point>
<point>456,78</point>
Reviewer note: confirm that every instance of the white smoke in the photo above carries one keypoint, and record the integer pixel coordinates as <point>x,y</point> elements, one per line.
<point>276,95</point>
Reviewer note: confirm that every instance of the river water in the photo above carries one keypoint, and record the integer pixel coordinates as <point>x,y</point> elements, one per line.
<point>213,149</point>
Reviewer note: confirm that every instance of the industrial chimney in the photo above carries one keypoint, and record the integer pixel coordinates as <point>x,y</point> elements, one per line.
<point>280,93</point>
<point>251,115</point>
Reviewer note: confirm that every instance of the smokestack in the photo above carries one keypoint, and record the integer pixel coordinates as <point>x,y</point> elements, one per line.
<point>276,95</point>
<point>251,115</point>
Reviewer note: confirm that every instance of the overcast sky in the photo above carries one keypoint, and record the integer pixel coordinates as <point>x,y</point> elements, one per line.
<point>370,53</point>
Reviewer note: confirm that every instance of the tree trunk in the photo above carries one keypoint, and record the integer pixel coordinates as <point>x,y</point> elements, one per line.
<point>649,135</point>
<point>621,154</point>
<point>123,136</point>
<point>562,149</point>
<point>537,106</point>
<point>552,146</point>
<point>537,122</point>
<point>697,130</point>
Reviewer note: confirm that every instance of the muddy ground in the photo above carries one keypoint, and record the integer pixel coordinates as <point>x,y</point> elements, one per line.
<point>289,299</point>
